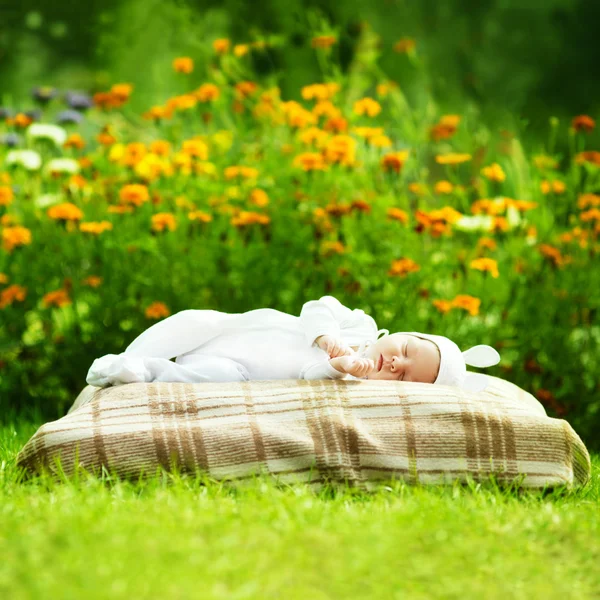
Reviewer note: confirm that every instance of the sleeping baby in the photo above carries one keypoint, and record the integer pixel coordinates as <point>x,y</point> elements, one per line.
<point>327,341</point>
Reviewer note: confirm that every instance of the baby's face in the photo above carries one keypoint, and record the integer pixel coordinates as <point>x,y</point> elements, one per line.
<point>405,358</point>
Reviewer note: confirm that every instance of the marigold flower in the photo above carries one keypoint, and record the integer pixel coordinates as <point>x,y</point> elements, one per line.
<point>452,158</point>
<point>183,64</point>
<point>157,310</point>
<point>383,89</point>
<point>66,211</point>
<point>443,187</point>
<point>323,41</point>
<point>13,237</point>
<point>336,124</point>
<point>56,298</point>
<point>158,112</point>
<point>329,248</point>
<point>122,90</point>
<point>11,294</point>
<point>240,171</point>
<point>95,227</point>
<point>134,193</point>
<point>93,281</point>
<point>394,161</point>
<point>590,156</point>
<point>468,303</point>
<point>555,186</point>
<point>259,197</point>
<point>367,132</point>
<point>486,265</point>
<point>443,306</point>
<point>133,154</point>
<point>380,141</point>
<point>494,172</point>
<point>245,89</point>
<point>403,267</point>
<point>221,46</point>
<point>199,215</point>
<point>361,206</point>
<point>586,200</point>
<point>105,138</point>
<point>417,188</point>
<point>74,141</point>
<point>320,91</point>
<point>397,214</point>
<point>367,106</point>
<point>310,161</point>
<point>6,195</point>
<point>326,108</point>
<point>583,123</point>
<point>207,92</point>
<point>487,243</point>
<point>160,147</point>
<point>162,221</point>
<point>314,136</point>
<point>249,218</point>
<point>404,45</point>
<point>340,149</point>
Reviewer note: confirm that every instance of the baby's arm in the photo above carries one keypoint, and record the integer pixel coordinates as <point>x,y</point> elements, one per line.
<point>326,316</point>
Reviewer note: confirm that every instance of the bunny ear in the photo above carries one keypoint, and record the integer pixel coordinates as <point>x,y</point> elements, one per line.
<point>475,382</point>
<point>481,356</point>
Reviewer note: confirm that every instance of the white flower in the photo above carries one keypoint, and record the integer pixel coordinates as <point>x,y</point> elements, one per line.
<point>28,159</point>
<point>62,165</point>
<point>512,216</point>
<point>475,223</point>
<point>47,200</point>
<point>55,133</point>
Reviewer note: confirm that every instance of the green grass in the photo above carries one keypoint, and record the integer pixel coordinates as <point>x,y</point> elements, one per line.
<point>187,537</point>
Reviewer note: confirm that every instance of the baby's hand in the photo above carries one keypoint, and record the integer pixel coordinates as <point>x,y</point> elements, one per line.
<point>353,365</point>
<point>333,347</point>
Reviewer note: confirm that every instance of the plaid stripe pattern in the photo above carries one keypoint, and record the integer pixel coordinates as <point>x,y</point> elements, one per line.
<point>359,433</point>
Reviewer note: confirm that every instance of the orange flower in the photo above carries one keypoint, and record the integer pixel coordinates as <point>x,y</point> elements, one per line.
<point>244,89</point>
<point>240,171</point>
<point>196,148</point>
<point>494,172</point>
<point>259,197</point>
<point>327,108</point>
<point>183,64</point>
<point>95,228</point>
<point>442,305</point>
<point>417,188</point>
<point>158,112</point>
<point>330,248</point>
<point>468,303</point>
<point>452,158</point>
<point>134,193</point>
<point>314,136</point>
<point>93,281</point>
<point>404,45</point>
<point>106,138</point>
<point>397,214</point>
<point>15,236</point>
<point>221,46</point>
<point>586,200</point>
<point>380,141</point>
<point>160,147</point>
<point>162,221</point>
<point>6,195</point>
<point>394,161</point>
<point>66,211</point>
<point>337,124</point>
<point>555,186</point>
<point>249,218</point>
<point>74,141</point>
<point>323,41</point>
<point>320,91</point>
<point>590,156</point>
<point>367,106</point>
<point>486,265</point>
<point>583,123</point>
<point>402,267</point>
<point>157,310</point>
<point>198,215</point>
<point>56,298</point>
<point>207,92</point>
<point>486,242</point>
<point>340,149</point>
<point>553,254</point>
<point>310,161</point>
<point>13,293</point>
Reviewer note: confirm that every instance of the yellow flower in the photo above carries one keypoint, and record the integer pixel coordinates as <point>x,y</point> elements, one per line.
<point>486,264</point>
<point>160,147</point>
<point>241,50</point>
<point>417,188</point>
<point>184,64</point>
<point>367,106</point>
<point>196,148</point>
<point>403,267</point>
<point>249,218</point>
<point>558,187</point>
<point>74,141</point>
<point>397,214</point>
<point>93,281</point>
<point>259,197</point>
<point>469,303</point>
<point>221,46</point>
<point>443,187</point>
<point>320,91</point>
<point>201,216</point>
<point>494,172</point>
<point>452,158</point>
<point>95,227</point>
<point>314,136</point>
<point>240,171</point>
<point>340,149</point>
<point>442,305</point>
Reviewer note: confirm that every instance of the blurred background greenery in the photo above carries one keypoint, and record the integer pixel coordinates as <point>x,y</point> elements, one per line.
<point>519,60</point>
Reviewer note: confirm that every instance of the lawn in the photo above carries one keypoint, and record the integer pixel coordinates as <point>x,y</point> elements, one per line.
<point>178,536</point>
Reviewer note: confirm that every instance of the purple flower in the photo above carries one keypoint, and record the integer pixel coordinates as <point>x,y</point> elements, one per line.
<point>6,113</point>
<point>44,94</point>
<point>11,140</point>
<point>69,116</point>
<point>79,100</point>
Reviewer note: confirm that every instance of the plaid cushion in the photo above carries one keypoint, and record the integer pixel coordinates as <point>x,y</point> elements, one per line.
<point>358,432</point>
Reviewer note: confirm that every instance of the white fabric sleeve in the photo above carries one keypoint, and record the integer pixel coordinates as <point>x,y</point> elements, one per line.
<point>321,369</point>
<point>325,316</point>
<point>113,369</point>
